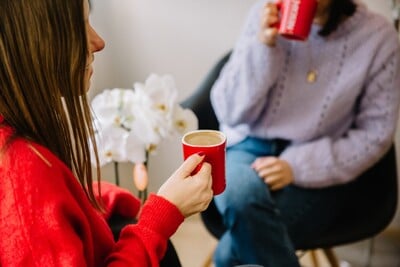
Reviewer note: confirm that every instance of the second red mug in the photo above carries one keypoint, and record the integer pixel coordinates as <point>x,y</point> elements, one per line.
<point>296,18</point>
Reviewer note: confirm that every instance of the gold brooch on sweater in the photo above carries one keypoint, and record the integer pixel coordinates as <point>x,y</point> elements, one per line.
<point>311,76</point>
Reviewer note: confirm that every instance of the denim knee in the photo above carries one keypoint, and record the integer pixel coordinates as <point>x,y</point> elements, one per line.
<point>244,190</point>
<point>224,255</point>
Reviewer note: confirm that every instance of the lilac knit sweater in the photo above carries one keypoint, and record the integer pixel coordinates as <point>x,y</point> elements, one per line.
<point>339,125</point>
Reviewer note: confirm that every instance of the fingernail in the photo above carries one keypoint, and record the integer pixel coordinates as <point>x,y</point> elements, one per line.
<point>201,153</point>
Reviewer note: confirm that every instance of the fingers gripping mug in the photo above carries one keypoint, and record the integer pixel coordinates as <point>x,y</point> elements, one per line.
<point>213,144</point>
<point>296,18</point>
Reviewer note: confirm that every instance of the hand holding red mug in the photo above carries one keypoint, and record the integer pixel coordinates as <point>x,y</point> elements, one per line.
<point>190,193</point>
<point>269,22</point>
<point>290,18</point>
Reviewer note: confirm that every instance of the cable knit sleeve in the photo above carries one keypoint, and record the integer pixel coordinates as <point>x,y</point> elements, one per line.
<point>116,200</point>
<point>239,95</point>
<point>47,220</point>
<point>146,242</point>
<point>39,219</point>
<point>334,160</point>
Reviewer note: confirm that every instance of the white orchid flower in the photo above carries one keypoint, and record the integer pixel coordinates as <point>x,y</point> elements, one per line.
<point>147,120</point>
<point>135,149</point>
<point>132,122</point>
<point>156,115</point>
<point>112,107</point>
<point>162,91</point>
<point>111,144</point>
<point>184,120</point>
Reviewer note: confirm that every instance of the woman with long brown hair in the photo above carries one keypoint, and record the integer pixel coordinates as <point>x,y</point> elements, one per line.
<point>51,214</point>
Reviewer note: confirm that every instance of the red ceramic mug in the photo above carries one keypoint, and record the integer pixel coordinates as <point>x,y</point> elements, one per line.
<point>213,144</point>
<point>296,18</point>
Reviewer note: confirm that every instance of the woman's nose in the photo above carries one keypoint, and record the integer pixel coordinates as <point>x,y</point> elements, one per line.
<point>96,43</point>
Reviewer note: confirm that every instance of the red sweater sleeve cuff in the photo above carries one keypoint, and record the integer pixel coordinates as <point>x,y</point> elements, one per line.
<point>117,200</point>
<point>161,216</point>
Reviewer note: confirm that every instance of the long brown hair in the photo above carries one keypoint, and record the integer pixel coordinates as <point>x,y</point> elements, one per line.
<point>43,54</point>
<point>337,10</point>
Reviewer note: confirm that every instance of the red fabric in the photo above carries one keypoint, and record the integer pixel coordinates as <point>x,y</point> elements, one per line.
<point>47,220</point>
<point>117,200</point>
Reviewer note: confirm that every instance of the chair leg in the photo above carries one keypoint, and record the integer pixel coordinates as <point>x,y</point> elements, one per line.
<point>314,257</point>
<point>370,251</point>
<point>208,261</point>
<point>332,259</point>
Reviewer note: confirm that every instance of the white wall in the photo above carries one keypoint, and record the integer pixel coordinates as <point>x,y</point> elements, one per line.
<point>179,37</point>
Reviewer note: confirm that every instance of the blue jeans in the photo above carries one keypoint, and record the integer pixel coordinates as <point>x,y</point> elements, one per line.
<point>264,226</point>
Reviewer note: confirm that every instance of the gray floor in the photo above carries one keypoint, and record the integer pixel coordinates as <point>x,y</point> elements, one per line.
<point>385,251</point>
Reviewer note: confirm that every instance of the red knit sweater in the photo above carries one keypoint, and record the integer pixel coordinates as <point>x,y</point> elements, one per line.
<point>47,220</point>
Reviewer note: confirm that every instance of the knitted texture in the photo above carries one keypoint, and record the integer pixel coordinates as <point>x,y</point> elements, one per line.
<point>47,220</point>
<point>339,125</point>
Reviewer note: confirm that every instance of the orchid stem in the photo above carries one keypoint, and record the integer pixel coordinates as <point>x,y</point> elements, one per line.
<point>144,192</point>
<point>116,173</point>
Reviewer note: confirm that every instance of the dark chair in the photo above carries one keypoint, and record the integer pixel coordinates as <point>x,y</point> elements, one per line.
<point>370,212</point>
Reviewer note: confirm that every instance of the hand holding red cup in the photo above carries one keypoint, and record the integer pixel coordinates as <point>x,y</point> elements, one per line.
<point>213,145</point>
<point>290,18</point>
